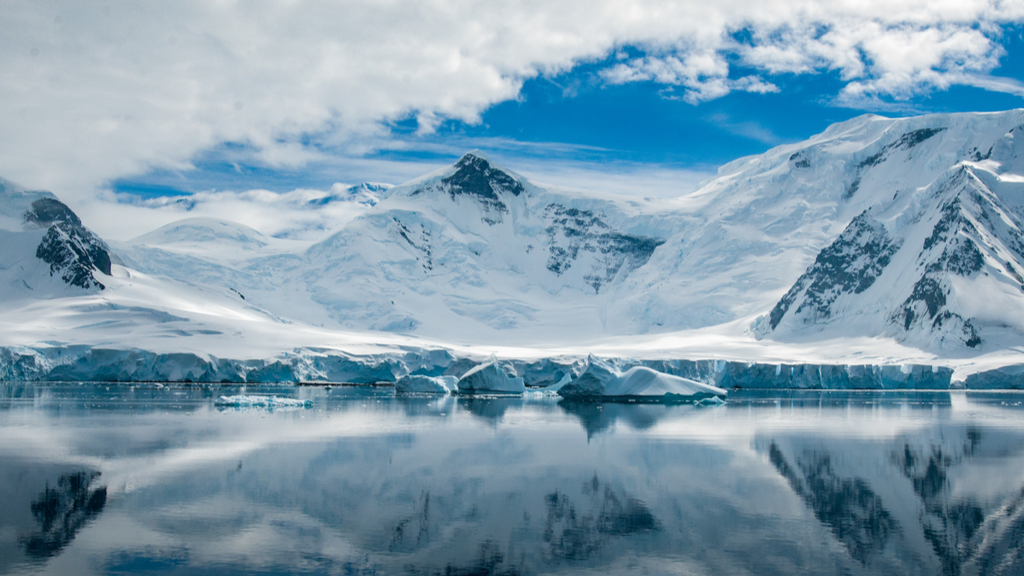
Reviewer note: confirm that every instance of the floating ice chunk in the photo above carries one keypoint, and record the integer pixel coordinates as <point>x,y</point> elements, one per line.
<point>417,384</point>
<point>601,380</point>
<point>490,378</point>
<point>243,401</point>
<point>540,393</point>
<point>712,401</point>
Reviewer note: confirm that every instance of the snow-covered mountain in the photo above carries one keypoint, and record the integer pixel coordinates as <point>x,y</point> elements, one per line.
<point>473,249</point>
<point>43,240</point>
<point>938,264</point>
<point>899,237</point>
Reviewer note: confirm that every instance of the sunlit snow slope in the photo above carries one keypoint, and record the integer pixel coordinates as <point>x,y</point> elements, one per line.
<point>901,238</point>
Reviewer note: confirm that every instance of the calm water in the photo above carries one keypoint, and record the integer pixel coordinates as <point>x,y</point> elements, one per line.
<point>112,480</point>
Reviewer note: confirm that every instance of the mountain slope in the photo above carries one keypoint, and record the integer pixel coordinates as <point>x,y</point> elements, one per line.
<point>809,237</point>
<point>900,239</point>
<point>476,244</point>
<point>935,266</point>
<point>43,245</point>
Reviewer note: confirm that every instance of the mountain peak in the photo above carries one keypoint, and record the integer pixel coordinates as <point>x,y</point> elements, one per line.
<point>475,177</point>
<point>474,174</point>
<point>46,211</point>
<point>474,153</point>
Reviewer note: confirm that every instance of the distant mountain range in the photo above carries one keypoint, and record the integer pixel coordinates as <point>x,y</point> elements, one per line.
<point>905,231</point>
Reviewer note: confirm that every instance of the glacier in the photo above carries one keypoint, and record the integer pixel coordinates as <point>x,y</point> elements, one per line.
<point>883,253</point>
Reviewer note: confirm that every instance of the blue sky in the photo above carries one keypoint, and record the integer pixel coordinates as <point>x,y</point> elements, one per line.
<point>119,101</point>
<point>576,117</point>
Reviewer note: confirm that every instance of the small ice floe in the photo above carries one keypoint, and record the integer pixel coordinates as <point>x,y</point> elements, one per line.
<point>418,384</point>
<point>257,401</point>
<point>712,401</point>
<point>540,393</point>
<point>601,380</point>
<point>490,378</point>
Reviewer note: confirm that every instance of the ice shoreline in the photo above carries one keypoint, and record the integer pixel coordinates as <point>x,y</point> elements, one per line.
<point>312,366</point>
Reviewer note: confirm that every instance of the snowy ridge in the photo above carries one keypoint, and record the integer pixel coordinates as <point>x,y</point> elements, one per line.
<point>934,268</point>
<point>877,245</point>
<point>46,246</point>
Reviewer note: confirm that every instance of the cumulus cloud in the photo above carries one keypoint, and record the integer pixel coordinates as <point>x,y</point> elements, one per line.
<point>93,91</point>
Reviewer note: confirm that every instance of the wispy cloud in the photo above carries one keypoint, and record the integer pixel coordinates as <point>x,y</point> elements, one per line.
<point>301,214</point>
<point>619,178</point>
<point>309,214</point>
<point>746,128</point>
<point>993,83</point>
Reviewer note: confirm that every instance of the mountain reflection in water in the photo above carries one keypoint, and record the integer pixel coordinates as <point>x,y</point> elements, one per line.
<point>62,510</point>
<point>119,479</point>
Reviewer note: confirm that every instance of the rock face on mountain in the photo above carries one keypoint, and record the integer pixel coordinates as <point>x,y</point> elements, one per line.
<point>573,230</point>
<point>474,177</point>
<point>849,265</point>
<point>67,248</point>
<point>933,263</point>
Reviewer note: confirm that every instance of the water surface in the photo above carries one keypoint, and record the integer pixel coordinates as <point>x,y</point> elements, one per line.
<point>98,479</point>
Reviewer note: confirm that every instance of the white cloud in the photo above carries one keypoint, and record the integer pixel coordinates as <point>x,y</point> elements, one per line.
<point>993,83</point>
<point>616,178</point>
<point>302,214</point>
<point>746,129</point>
<point>95,91</point>
<point>705,75</point>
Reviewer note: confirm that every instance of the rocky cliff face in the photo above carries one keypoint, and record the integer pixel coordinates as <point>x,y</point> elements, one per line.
<point>850,265</point>
<point>73,252</point>
<point>929,265</point>
<point>572,230</point>
<point>474,177</point>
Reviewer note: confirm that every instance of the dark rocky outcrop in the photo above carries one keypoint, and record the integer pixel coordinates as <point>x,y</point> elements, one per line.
<point>968,232</point>
<point>74,253</point>
<point>573,231</point>
<point>46,211</point>
<point>849,265</point>
<point>949,249</point>
<point>476,178</point>
<point>71,250</point>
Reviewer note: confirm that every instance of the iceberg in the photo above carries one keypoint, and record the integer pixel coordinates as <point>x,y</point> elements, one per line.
<point>270,402</point>
<point>419,384</point>
<point>489,378</point>
<point>711,401</point>
<point>600,379</point>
